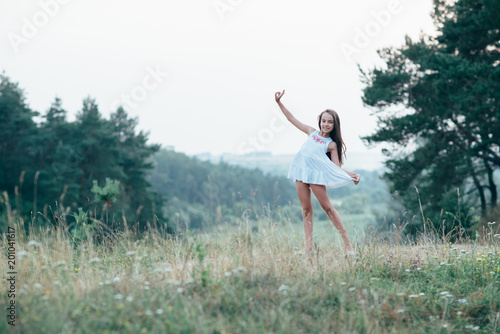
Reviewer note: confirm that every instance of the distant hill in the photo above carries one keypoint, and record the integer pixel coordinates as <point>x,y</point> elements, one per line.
<point>279,164</point>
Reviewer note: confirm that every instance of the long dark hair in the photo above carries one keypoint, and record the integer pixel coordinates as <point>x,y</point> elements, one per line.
<point>336,134</point>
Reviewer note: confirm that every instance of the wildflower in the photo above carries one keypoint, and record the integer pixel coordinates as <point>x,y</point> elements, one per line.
<point>351,289</point>
<point>343,283</point>
<point>180,290</point>
<point>33,243</point>
<point>95,259</point>
<point>462,301</point>
<point>146,287</point>
<point>283,287</point>
<point>107,282</point>
<point>442,263</point>
<point>159,311</point>
<point>118,296</point>
<point>227,274</point>
<point>129,298</point>
<point>148,312</point>
<point>116,279</point>
<point>38,285</point>
<point>146,282</point>
<point>101,283</point>
<point>413,296</point>
<point>22,254</point>
<point>421,294</point>
<point>407,270</point>
<point>460,313</point>
<point>401,311</point>
<point>445,325</point>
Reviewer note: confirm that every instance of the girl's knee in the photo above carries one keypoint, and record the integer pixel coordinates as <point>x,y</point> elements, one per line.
<point>329,210</point>
<point>307,211</point>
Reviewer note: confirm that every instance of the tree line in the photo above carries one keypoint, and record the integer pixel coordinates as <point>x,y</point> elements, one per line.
<point>440,95</point>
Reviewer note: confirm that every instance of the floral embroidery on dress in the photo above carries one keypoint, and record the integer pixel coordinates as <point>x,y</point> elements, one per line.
<point>317,139</point>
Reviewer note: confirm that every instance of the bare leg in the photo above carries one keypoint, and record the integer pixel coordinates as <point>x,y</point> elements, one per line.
<point>322,196</point>
<point>305,201</point>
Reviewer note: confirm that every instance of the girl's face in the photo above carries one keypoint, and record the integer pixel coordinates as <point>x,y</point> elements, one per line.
<point>326,122</point>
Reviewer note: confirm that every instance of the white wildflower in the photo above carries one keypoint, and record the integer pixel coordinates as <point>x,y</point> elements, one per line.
<point>146,282</point>
<point>227,274</point>
<point>351,289</point>
<point>33,243</point>
<point>148,312</point>
<point>116,279</point>
<point>118,296</point>
<point>401,311</point>
<point>462,301</point>
<point>107,282</point>
<point>407,270</point>
<point>129,298</point>
<point>159,311</point>
<point>180,290</point>
<point>38,285</point>
<point>21,255</point>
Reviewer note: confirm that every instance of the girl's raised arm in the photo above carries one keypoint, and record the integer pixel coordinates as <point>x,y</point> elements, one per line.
<point>298,124</point>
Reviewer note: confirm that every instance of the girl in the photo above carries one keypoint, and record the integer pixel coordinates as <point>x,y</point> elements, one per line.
<point>311,169</point>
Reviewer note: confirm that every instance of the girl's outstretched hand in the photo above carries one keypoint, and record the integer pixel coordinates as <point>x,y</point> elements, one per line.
<point>356,179</point>
<point>278,95</point>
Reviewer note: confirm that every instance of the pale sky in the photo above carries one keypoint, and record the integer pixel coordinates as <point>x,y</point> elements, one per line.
<point>225,60</point>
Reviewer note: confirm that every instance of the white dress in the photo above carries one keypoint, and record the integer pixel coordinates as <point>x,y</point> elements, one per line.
<point>311,164</point>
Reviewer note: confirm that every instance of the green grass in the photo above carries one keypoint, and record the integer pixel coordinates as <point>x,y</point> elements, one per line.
<point>236,281</point>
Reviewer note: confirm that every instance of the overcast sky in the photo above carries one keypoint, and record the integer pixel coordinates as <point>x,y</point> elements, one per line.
<point>201,74</point>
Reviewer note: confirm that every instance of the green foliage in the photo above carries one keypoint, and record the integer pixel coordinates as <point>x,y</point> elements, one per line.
<point>447,136</point>
<point>108,193</point>
<point>82,231</point>
<point>53,165</point>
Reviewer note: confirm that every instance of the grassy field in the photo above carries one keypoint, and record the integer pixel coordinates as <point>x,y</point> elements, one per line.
<point>244,280</point>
